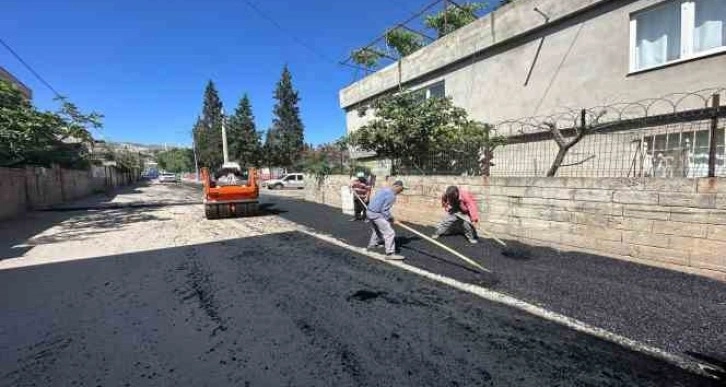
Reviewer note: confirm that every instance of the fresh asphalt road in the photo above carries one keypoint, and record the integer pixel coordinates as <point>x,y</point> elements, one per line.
<point>680,313</point>
<point>254,307</point>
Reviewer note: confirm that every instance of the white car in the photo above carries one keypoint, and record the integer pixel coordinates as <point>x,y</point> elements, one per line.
<point>167,178</point>
<point>291,180</point>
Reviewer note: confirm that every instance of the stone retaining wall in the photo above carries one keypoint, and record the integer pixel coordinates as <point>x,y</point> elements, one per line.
<point>674,223</point>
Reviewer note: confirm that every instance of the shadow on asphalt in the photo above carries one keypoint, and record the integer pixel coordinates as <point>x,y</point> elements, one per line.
<point>322,315</point>
<point>125,205</point>
<point>404,244</point>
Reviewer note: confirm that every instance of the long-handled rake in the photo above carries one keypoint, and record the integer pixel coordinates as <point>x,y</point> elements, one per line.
<point>443,246</point>
<point>434,242</point>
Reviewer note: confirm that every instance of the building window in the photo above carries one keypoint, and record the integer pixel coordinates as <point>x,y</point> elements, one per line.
<point>710,25</point>
<point>436,90</point>
<point>677,30</point>
<point>683,154</point>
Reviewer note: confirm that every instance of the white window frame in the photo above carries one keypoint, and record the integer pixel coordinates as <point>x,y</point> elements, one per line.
<point>430,86</point>
<point>688,26</point>
<point>426,90</point>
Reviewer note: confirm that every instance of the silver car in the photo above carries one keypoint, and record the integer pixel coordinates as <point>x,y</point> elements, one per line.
<point>168,178</point>
<point>291,180</point>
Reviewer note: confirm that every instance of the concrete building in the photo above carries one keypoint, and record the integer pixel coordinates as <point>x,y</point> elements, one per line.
<point>536,57</point>
<point>25,90</point>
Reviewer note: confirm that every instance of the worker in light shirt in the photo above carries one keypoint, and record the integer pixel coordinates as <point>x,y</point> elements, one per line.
<point>381,219</point>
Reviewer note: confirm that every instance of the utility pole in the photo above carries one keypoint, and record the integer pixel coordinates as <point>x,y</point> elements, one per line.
<point>196,162</point>
<point>224,139</point>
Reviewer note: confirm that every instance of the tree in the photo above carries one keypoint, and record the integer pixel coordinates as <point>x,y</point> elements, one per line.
<point>208,130</point>
<point>406,129</point>
<point>565,140</point>
<point>270,148</point>
<point>176,160</point>
<point>29,136</point>
<point>331,157</point>
<point>453,17</point>
<point>244,140</point>
<point>127,160</point>
<point>286,138</point>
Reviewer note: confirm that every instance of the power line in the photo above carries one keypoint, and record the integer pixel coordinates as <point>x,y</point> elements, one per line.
<point>30,68</point>
<point>292,36</point>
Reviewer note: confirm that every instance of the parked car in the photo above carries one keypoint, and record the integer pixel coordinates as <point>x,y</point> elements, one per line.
<point>291,180</point>
<point>168,178</point>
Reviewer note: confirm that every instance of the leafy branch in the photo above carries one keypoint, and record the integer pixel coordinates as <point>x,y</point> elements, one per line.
<point>366,57</point>
<point>403,41</point>
<point>29,136</point>
<point>453,17</point>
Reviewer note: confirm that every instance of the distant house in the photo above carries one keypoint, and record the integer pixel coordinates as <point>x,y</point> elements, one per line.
<point>25,90</point>
<point>535,57</point>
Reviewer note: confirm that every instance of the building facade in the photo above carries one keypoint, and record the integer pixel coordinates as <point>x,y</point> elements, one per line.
<point>25,90</point>
<point>540,57</point>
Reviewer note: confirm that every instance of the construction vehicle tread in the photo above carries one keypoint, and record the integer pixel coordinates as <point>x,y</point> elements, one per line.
<point>210,211</point>
<point>224,210</point>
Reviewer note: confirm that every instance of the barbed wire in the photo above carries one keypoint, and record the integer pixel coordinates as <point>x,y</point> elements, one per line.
<point>676,105</point>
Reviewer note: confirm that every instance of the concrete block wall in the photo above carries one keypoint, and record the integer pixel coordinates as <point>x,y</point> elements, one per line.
<point>44,186</point>
<point>674,223</point>
<point>12,192</point>
<point>665,222</point>
<point>326,191</point>
<point>28,188</point>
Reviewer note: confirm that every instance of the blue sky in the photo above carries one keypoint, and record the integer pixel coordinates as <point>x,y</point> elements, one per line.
<point>144,64</point>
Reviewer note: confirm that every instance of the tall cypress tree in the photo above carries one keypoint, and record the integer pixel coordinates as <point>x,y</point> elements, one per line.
<point>244,141</point>
<point>287,127</point>
<point>271,149</point>
<point>208,130</point>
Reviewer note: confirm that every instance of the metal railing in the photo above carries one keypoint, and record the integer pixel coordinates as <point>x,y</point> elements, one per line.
<point>680,135</point>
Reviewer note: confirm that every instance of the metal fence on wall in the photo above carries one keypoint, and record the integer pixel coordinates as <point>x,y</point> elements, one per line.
<point>680,135</point>
<point>464,161</point>
<point>670,150</point>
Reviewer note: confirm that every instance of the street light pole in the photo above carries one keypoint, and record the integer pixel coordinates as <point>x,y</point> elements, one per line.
<point>196,162</point>
<point>224,140</point>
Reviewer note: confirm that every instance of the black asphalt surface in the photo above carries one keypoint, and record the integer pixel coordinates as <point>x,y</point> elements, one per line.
<point>681,313</point>
<point>284,310</point>
<point>287,309</point>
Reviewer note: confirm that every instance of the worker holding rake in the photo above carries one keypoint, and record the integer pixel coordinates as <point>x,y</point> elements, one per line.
<point>381,219</point>
<point>359,185</point>
<point>461,213</point>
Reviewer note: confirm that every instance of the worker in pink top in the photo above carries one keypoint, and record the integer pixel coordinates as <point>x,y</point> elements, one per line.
<point>458,201</point>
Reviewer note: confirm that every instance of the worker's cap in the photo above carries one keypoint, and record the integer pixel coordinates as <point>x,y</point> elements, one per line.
<point>399,183</point>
